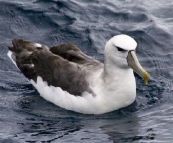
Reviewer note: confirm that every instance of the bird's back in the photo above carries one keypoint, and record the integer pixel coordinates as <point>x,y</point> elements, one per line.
<point>63,66</point>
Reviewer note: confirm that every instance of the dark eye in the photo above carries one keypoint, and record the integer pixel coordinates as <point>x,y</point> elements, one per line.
<point>120,49</point>
<point>39,48</point>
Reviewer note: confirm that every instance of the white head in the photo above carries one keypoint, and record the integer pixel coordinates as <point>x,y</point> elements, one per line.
<point>119,54</point>
<point>124,42</point>
<point>120,45</point>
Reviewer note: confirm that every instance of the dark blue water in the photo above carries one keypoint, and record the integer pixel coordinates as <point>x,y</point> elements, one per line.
<point>26,117</point>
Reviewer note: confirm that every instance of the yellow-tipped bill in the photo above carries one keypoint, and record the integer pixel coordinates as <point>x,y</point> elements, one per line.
<point>133,62</point>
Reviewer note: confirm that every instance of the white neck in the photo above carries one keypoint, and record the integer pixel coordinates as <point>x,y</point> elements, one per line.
<point>115,66</point>
<point>116,82</point>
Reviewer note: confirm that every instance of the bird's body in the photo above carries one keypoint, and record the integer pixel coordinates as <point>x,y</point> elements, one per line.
<point>67,77</point>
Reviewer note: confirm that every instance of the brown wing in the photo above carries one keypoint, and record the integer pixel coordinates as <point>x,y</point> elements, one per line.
<point>71,53</point>
<point>58,68</point>
<point>60,72</point>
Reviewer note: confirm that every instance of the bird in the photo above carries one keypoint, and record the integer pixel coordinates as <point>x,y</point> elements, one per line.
<point>72,80</point>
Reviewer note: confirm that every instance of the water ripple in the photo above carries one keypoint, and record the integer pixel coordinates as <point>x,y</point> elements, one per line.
<point>26,117</point>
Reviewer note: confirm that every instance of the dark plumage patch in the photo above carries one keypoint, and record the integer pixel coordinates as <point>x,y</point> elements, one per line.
<point>63,66</point>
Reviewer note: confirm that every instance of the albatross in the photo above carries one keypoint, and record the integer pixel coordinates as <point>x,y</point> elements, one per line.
<point>70,79</point>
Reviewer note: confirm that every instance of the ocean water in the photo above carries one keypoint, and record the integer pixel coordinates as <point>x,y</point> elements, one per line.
<point>26,117</point>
